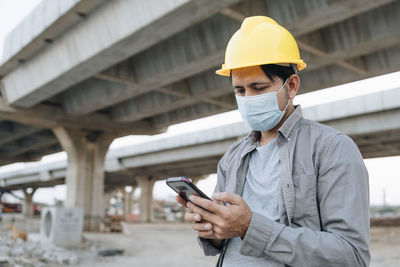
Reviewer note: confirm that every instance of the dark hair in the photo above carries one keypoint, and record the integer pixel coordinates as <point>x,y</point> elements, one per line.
<point>273,71</point>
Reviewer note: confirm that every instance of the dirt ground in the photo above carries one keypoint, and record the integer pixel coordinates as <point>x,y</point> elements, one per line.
<point>152,245</point>
<point>169,244</point>
<point>385,246</point>
<point>175,244</point>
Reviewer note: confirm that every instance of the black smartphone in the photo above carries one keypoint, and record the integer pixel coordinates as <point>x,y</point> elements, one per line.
<point>185,188</point>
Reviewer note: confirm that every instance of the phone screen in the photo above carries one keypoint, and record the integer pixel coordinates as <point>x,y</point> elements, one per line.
<point>185,188</point>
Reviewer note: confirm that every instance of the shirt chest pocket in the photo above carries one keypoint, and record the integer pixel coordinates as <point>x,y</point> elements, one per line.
<point>305,196</point>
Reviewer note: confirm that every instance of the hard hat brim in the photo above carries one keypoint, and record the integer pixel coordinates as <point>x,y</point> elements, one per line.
<point>227,71</point>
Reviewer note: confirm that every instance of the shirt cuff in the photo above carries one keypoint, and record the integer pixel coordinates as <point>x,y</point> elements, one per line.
<point>260,233</point>
<point>208,248</point>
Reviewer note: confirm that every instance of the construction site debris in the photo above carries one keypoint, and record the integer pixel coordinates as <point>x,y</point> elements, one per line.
<point>110,252</point>
<point>112,223</point>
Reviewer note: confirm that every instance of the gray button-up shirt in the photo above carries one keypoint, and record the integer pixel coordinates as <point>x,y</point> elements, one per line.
<point>260,192</point>
<point>323,198</point>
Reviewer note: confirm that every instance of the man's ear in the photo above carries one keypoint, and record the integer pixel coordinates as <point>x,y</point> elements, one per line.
<point>293,85</point>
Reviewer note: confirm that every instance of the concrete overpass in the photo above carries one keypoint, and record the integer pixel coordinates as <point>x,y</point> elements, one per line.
<point>77,74</point>
<point>373,121</point>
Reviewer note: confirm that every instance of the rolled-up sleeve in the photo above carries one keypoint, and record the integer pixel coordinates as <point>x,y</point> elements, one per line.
<point>343,196</point>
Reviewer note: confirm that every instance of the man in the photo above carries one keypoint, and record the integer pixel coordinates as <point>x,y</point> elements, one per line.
<point>297,190</point>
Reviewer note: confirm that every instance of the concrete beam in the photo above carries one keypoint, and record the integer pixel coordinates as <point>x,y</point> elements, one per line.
<point>389,136</point>
<point>179,165</point>
<point>40,28</point>
<point>52,183</point>
<point>379,144</point>
<point>25,145</point>
<point>300,17</point>
<point>356,106</point>
<point>49,116</point>
<point>352,38</point>
<point>28,149</point>
<point>163,157</point>
<point>170,47</point>
<point>192,172</point>
<point>377,63</point>
<point>363,121</point>
<point>204,87</point>
<point>108,36</point>
<point>192,51</point>
<point>23,158</point>
<point>37,155</point>
<point>16,131</point>
<point>381,150</point>
<point>187,113</point>
<point>368,123</point>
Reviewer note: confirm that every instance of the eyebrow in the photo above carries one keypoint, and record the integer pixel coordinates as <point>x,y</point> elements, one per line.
<point>253,84</point>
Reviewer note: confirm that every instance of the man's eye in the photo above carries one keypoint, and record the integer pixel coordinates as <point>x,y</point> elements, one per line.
<point>261,88</point>
<point>240,91</point>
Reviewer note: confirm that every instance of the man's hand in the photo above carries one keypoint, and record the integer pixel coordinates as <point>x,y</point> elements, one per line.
<point>204,229</point>
<point>226,221</point>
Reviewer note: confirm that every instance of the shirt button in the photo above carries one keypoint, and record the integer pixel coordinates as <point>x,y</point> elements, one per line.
<point>288,139</point>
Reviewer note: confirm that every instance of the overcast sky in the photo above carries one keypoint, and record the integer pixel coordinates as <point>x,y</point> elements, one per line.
<point>384,172</point>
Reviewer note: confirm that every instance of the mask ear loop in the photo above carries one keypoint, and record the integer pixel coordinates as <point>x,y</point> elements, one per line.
<point>283,85</point>
<point>295,69</point>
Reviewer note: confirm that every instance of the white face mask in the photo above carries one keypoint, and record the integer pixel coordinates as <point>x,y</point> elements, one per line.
<point>261,112</point>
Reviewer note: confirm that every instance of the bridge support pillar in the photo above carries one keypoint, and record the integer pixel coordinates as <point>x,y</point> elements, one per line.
<point>146,185</point>
<point>85,172</point>
<point>27,208</point>
<point>128,201</point>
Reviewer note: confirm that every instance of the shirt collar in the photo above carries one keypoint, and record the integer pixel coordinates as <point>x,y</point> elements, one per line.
<point>289,124</point>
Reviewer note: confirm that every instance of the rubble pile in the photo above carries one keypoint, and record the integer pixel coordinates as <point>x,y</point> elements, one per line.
<point>33,253</point>
<point>112,223</point>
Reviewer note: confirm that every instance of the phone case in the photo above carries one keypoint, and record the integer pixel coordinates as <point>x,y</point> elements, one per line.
<point>184,187</point>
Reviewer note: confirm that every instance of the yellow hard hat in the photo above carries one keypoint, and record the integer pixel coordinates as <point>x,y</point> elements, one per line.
<point>260,40</point>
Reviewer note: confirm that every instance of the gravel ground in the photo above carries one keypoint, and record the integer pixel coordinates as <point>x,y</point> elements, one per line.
<point>159,244</point>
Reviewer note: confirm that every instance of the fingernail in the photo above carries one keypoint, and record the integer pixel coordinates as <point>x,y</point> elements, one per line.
<point>208,227</point>
<point>197,217</point>
<point>191,198</point>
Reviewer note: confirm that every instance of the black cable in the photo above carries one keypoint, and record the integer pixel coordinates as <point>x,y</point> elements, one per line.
<point>221,257</point>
